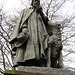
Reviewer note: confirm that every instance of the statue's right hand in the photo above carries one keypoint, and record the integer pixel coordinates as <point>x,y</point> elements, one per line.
<point>24,34</point>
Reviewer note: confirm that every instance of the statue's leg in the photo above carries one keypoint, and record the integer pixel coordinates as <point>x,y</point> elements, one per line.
<point>53,62</point>
<point>54,57</point>
<point>43,62</point>
<point>49,57</point>
<point>60,61</point>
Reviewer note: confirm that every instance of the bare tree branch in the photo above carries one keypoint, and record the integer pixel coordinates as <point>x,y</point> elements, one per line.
<point>68,37</point>
<point>57,9</point>
<point>7,59</point>
<point>3,57</point>
<point>1,34</point>
<point>48,7</point>
<point>1,71</point>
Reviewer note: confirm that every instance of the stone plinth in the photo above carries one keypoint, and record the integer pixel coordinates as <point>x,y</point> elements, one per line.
<point>38,71</point>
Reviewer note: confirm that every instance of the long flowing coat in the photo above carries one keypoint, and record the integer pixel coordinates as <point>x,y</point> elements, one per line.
<point>34,47</point>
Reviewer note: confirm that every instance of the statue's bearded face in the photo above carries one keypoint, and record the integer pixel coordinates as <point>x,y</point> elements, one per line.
<point>35,3</point>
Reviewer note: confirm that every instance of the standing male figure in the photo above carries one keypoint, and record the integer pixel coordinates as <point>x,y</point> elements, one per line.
<point>29,39</point>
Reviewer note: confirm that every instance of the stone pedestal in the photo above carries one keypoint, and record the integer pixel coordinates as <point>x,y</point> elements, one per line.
<point>38,71</point>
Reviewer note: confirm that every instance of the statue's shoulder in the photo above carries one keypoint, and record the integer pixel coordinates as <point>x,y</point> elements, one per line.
<point>27,9</point>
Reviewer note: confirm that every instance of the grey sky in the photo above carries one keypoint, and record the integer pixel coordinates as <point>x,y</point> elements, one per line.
<point>10,5</point>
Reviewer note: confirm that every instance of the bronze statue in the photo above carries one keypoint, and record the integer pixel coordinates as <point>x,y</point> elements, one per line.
<point>30,38</point>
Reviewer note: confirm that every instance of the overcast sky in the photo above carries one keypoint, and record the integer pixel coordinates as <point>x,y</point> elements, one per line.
<point>10,5</point>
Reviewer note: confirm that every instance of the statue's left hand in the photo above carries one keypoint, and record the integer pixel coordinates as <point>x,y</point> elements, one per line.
<point>52,39</point>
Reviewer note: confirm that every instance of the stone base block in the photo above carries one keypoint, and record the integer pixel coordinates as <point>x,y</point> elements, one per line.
<point>38,71</point>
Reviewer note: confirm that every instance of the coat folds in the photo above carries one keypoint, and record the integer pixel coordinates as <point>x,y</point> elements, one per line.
<point>34,47</point>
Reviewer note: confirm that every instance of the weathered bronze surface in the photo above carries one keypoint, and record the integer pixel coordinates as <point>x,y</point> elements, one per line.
<point>36,41</point>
